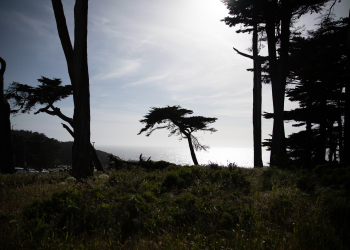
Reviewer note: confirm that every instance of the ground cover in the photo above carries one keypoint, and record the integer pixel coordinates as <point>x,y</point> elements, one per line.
<point>165,206</point>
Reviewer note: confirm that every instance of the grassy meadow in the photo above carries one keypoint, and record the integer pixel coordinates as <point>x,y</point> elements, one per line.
<point>166,206</point>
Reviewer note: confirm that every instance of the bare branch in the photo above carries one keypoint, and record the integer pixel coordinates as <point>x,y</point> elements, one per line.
<point>197,145</point>
<point>262,58</point>
<point>243,54</point>
<point>68,129</point>
<point>55,112</point>
<point>331,8</point>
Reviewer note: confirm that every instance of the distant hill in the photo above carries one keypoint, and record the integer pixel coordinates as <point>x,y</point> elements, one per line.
<point>39,151</point>
<point>65,154</point>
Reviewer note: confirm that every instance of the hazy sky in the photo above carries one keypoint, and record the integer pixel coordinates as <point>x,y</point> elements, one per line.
<point>141,54</point>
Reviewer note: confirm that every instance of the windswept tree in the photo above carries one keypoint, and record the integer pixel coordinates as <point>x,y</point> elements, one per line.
<point>7,165</point>
<point>77,64</point>
<point>25,98</point>
<point>175,120</point>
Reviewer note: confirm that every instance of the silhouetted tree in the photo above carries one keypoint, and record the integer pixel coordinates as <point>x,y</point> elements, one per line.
<point>278,17</point>
<point>79,75</point>
<point>317,79</point>
<point>25,98</point>
<point>175,120</point>
<point>347,101</point>
<point>7,165</point>
<point>251,21</point>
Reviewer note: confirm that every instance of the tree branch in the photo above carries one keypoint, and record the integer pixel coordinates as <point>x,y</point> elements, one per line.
<point>68,129</point>
<point>55,112</point>
<point>64,37</point>
<point>330,9</point>
<point>262,58</point>
<point>243,54</point>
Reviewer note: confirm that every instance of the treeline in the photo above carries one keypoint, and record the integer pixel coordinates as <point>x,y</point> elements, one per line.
<point>317,81</point>
<point>38,151</point>
<point>310,69</point>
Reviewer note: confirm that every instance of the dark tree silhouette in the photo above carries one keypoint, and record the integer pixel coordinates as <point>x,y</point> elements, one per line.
<point>317,80</point>
<point>278,17</point>
<point>251,19</point>
<point>7,165</point>
<point>175,120</point>
<point>79,75</point>
<point>347,100</point>
<point>25,98</point>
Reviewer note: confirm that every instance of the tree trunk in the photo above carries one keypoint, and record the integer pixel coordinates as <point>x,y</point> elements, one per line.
<point>347,105</point>
<point>95,159</point>
<point>340,134</point>
<point>78,72</point>
<point>7,165</point>
<point>257,101</point>
<point>322,139</point>
<point>331,146</point>
<point>81,147</point>
<point>278,74</point>
<point>193,155</point>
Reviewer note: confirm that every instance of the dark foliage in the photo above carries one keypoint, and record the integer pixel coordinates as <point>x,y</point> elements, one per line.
<point>24,98</point>
<point>175,120</point>
<point>317,80</point>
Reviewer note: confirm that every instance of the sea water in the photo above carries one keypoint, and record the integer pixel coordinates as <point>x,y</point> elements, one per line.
<point>243,157</point>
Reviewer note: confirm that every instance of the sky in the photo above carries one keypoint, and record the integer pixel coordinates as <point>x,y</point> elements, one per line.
<point>142,54</point>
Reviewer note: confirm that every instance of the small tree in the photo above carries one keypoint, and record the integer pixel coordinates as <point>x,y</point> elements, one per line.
<point>25,98</point>
<point>175,120</point>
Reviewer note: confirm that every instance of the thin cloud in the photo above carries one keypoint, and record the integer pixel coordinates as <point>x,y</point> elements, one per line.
<point>152,79</point>
<point>121,69</point>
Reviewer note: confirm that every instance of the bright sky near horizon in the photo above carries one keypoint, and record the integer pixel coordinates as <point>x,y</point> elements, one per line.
<point>141,54</point>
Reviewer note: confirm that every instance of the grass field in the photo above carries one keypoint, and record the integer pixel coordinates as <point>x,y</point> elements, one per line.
<point>165,206</point>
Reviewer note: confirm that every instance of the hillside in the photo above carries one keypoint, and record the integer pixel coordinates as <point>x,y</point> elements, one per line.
<point>39,151</point>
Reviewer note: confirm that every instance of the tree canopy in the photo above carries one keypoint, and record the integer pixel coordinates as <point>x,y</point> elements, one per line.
<point>175,120</point>
<point>25,98</point>
<point>275,19</point>
<point>317,80</point>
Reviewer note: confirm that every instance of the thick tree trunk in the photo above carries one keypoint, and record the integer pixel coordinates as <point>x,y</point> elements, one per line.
<point>78,71</point>
<point>81,147</point>
<point>257,101</point>
<point>347,105</point>
<point>7,165</point>
<point>193,155</point>
<point>278,75</point>
<point>95,159</point>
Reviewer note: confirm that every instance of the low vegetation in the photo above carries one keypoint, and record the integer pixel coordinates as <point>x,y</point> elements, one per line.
<point>166,206</point>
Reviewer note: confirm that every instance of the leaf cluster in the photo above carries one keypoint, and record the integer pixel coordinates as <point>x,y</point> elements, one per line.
<point>24,98</point>
<point>175,120</point>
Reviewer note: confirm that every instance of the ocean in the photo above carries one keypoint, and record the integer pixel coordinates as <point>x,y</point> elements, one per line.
<point>243,157</point>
